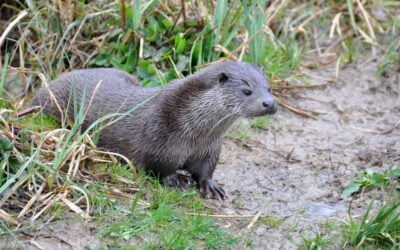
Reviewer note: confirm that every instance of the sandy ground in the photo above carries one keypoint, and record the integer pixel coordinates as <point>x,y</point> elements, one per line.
<point>296,169</point>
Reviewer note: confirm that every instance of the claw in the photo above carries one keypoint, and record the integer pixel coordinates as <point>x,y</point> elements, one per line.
<point>211,190</point>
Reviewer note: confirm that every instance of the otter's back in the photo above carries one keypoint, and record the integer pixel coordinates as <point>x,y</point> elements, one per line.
<point>102,91</point>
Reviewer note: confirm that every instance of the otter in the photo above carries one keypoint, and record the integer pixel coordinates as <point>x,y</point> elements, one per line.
<point>175,127</point>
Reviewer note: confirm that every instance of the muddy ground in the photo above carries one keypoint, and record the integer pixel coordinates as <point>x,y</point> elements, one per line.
<point>296,169</point>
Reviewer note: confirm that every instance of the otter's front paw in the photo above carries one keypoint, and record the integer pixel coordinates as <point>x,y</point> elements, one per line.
<point>211,190</point>
<point>180,181</point>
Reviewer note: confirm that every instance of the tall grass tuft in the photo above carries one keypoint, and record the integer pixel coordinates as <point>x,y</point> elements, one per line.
<point>379,229</point>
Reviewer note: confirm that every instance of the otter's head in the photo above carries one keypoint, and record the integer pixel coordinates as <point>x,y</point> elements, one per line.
<point>244,89</point>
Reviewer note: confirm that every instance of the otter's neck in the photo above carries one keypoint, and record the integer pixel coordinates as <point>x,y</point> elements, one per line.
<point>195,109</point>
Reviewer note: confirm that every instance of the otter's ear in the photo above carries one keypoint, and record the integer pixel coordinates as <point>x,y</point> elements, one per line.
<point>222,78</point>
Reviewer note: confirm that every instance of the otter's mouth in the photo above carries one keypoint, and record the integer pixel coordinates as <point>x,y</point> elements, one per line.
<point>271,112</point>
<point>260,113</point>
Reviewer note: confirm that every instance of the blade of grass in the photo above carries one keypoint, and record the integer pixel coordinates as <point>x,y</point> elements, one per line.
<point>3,74</point>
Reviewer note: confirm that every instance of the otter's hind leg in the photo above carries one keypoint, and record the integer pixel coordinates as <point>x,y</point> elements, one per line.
<point>178,180</point>
<point>168,175</point>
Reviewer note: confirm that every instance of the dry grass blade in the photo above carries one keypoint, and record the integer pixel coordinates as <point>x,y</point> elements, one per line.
<point>73,207</point>
<point>335,25</point>
<point>117,177</point>
<point>86,215</point>
<point>48,203</point>
<point>52,96</point>
<point>14,188</point>
<point>3,36</point>
<point>69,170</point>
<point>8,218</point>
<point>118,194</point>
<point>32,201</point>
<point>75,162</point>
<point>367,21</point>
<point>130,164</point>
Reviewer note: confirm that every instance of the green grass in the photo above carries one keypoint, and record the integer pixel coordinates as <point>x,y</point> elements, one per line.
<point>164,223</point>
<point>179,49</point>
<point>271,221</point>
<point>377,227</point>
<point>261,122</point>
<point>240,131</point>
<point>380,229</point>
<point>318,241</point>
<point>391,56</point>
<point>3,75</point>
<point>37,122</point>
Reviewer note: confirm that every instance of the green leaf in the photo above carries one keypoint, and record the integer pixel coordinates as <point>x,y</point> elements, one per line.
<point>350,189</point>
<point>166,23</point>
<point>136,14</point>
<point>5,144</point>
<point>180,44</point>
<point>393,172</point>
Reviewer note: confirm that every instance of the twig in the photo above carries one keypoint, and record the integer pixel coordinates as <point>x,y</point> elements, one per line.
<point>352,142</point>
<point>270,179</point>
<point>123,13</point>
<point>183,12</point>
<point>28,111</point>
<point>34,243</point>
<point>175,22</point>
<point>254,220</point>
<point>221,215</point>
<point>296,87</point>
<point>295,109</point>
<point>385,132</point>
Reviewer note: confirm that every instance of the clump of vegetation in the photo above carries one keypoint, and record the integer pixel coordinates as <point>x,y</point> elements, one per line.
<point>317,242</point>
<point>371,179</point>
<point>259,122</point>
<point>271,221</point>
<point>379,229</point>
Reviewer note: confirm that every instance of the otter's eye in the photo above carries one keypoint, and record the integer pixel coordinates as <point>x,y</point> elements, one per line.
<point>247,92</point>
<point>269,90</point>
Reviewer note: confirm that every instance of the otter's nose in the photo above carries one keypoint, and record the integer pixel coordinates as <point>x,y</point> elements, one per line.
<point>270,106</point>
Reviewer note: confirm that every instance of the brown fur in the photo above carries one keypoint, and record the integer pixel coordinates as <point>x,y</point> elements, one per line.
<point>179,126</point>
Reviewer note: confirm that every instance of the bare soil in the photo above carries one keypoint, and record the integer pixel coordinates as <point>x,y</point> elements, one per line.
<point>295,170</point>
